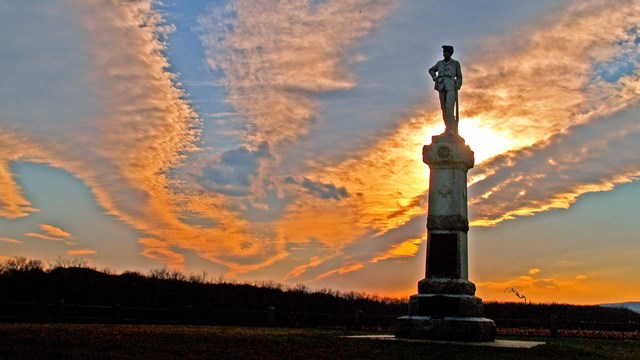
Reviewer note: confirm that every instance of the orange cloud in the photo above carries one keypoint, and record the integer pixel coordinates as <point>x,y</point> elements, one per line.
<point>54,231</point>
<point>341,271</point>
<point>404,249</point>
<point>310,218</point>
<point>533,271</point>
<point>160,251</point>
<point>9,240</point>
<point>299,270</point>
<point>18,145</point>
<point>43,237</point>
<point>13,204</point>
<point>81,252</point>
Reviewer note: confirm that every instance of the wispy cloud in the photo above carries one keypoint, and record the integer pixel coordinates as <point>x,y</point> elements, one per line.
<point>16,145</point>
<point>301,269</point>
<point>319,189</point>
<point>359,247</point>
<point>345,269</point>
<point>81,252</point>
<point>10,241</point>
<point>43,237</point>
<point>404,249</point>
<point>161,251</point>
<point>54,231</point>
<point>13,203</point>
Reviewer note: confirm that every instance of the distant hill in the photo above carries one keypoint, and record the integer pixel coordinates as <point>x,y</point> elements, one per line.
<point>631,305</point>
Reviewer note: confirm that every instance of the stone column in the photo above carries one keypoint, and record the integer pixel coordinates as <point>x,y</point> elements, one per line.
<point>445,307</point>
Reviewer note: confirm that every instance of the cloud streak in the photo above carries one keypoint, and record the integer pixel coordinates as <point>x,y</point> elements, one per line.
<point>13,203</point>
<point>10,241</point>
<point>81,252</point>
<point>54,231</point>
<point>43,237</point>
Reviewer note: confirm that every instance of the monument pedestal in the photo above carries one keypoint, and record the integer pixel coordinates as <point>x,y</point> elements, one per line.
<point>445,307</point>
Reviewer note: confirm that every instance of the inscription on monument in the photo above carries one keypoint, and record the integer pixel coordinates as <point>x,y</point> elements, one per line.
<point>446,264</point>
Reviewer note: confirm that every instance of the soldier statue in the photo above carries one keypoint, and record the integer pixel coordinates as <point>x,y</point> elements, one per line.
<point>447,76</point>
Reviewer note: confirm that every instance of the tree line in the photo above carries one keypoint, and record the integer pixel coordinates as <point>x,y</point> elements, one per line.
<point>68,289</point>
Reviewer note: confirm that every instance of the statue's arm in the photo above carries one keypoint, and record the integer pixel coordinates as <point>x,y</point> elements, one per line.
<point>458,76</point>
<point>432,72</point>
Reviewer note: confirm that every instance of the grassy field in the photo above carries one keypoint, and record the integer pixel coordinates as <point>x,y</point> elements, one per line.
<point>86,341</point>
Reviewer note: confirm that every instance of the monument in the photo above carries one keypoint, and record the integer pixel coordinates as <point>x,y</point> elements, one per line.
<point>446,307</point>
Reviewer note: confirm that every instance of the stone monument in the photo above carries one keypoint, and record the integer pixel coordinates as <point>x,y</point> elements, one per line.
<point>446,307</point>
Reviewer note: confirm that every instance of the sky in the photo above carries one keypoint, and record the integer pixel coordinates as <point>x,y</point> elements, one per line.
<point>281,140</point>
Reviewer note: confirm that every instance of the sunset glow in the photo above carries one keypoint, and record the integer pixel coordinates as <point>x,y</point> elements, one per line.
<point>484,141</point>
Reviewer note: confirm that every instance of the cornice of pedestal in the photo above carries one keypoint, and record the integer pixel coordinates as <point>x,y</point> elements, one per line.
<point>448,151</point>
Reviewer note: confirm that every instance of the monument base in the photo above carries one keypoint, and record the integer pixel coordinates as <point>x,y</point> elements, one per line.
<point>446,309</point>
<point>469,329</point>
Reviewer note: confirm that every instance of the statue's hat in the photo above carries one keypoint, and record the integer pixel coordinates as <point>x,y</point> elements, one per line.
<point>447,48</point>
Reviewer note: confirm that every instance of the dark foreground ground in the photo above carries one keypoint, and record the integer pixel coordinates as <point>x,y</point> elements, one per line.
<point>87,341</point>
